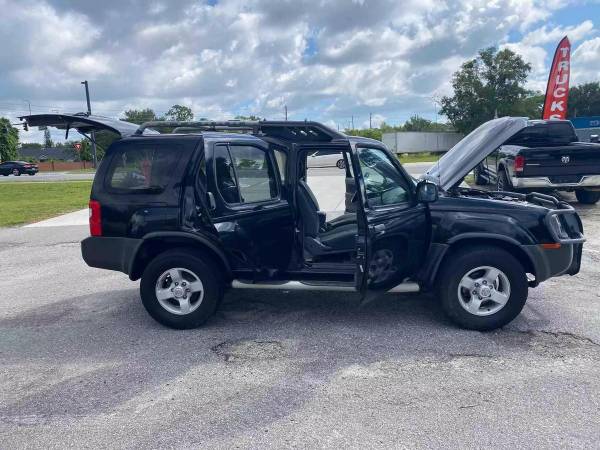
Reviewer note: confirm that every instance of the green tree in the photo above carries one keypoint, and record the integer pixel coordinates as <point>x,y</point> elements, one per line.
<point>417,123</point>
<point>48,139</point>
<point>9,140</point>
<point>489,85</point>
<point>139,116</point>
<point>181,113</point>
<point>584,100</point>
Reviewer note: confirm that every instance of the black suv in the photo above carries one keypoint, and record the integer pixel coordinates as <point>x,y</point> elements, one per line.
<point>206,206</point>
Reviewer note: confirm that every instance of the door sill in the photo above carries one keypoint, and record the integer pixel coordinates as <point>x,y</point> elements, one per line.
<point>294,285</point>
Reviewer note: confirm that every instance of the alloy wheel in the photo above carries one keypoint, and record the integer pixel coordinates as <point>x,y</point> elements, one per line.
<point>180,291</point>
<point>484,291</point>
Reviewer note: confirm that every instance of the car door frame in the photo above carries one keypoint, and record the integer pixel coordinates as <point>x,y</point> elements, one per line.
<point>370,231</point>
<point>235,222</point>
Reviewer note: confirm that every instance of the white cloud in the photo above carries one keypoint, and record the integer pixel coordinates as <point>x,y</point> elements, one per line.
<point>327,60</point>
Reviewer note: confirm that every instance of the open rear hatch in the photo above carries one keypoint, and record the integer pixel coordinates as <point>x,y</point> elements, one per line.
<point>81,122</point>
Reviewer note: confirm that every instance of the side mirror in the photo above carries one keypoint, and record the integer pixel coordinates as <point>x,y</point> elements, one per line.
<point>427,192</point>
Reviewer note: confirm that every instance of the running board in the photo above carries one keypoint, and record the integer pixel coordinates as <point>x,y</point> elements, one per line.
<point>300,286</point>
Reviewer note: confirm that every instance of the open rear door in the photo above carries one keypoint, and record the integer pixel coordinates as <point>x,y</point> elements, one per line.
<point>83,123</point>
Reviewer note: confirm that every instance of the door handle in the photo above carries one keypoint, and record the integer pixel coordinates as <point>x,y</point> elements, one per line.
<point>379,228</point>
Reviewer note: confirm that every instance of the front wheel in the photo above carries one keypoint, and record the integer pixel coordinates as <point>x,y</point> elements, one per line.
<point>503,182</point>
<point>480,180</point>
<point>340,164</point>
<point>180,290</point>
<point>587,197</point>
<point>483,288</point>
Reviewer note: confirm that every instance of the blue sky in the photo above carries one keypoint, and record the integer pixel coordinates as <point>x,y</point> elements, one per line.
<point>327,61</point>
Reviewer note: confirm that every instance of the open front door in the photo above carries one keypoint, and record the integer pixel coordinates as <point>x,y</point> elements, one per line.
<point>393,229</point>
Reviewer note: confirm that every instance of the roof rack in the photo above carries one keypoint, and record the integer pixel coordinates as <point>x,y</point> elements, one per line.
<point>202,125</point>
<point>292,131</point>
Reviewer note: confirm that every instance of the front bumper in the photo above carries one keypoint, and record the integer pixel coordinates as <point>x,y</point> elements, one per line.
<point>586,181</point>
<point>550,263</point>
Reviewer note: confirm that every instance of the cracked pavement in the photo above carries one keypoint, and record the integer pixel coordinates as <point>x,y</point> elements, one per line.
<point>83,365</point>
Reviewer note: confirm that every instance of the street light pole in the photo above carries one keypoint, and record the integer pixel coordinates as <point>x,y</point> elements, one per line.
<point>89,111</point>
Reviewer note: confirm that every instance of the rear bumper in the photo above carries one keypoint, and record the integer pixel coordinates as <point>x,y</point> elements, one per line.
<point>587,181</point>
<point>111,253</point>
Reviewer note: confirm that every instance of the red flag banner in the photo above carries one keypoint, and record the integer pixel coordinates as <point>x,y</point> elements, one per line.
<point>557,92</point>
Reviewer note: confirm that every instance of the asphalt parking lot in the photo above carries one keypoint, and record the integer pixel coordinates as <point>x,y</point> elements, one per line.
<point>83,365</point>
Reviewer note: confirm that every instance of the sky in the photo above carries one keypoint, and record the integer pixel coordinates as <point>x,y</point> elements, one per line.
<point>334,61</point>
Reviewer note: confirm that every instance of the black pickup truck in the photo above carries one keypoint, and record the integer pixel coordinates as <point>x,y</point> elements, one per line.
<point>545,156</point>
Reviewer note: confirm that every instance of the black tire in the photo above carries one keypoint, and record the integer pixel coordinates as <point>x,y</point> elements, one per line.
<point>31,174</point>
<point>16,172</point>
<point>460,264</point>
<point>479,179</point>
<point>340,164</point>
<point>587,197</point>
<point>202,267</point>
<point>503,183</point>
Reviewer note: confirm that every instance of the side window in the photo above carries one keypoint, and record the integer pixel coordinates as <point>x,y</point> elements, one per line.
<point>143,166</point>
<point>384,184</point>
<point>226,179</point>
<point>244,174</point>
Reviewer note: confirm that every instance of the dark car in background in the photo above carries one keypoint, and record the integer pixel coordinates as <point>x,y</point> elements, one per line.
<point>545,156</point>
<point>18,168</point>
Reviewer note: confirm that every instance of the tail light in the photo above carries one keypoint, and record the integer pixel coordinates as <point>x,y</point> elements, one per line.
<point>519,163</point>
<point>95,218</point>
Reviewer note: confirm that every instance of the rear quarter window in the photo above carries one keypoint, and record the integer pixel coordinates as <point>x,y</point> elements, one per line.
<point>142,167</point>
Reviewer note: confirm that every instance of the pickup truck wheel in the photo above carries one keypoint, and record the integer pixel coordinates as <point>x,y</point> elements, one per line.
<point>587,197</point>
<point>479,179</point>
<point>483,288</point>
<point>180,290</point>
<point>504,183</point>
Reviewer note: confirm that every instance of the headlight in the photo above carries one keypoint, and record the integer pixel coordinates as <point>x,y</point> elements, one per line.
<point>558,227</point>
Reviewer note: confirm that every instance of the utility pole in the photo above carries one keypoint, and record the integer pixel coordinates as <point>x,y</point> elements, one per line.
<point>353,121</point>
<point>285,106</point>
<point>370,117</point>
<point>89,111</point>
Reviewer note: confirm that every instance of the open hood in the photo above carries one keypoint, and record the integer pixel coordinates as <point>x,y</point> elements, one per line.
<point>81,122</point>
<point>471,150</point>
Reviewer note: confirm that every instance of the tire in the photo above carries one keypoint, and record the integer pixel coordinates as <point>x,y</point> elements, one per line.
<point>479,179</point>
<point>587,197</point>
<point>31,174</point>
<point>456,299</point>
<point>16,172</point>
<point>340,164</point>
<point>185,264</point>
<point>503,183</point>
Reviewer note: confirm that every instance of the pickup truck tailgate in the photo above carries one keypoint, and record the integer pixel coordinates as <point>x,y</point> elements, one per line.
<point>562,164</point>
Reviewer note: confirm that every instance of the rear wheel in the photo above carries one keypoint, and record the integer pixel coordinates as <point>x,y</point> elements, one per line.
<point>16,172</point>
<point>483,288</point>
<point>587,197</point>
<point>180,290</point>
<point>504,183</point>
<point>479,179</point>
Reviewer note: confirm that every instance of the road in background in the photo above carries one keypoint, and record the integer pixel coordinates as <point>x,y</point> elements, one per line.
<point>83,365</point>
<point>48,176</point>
